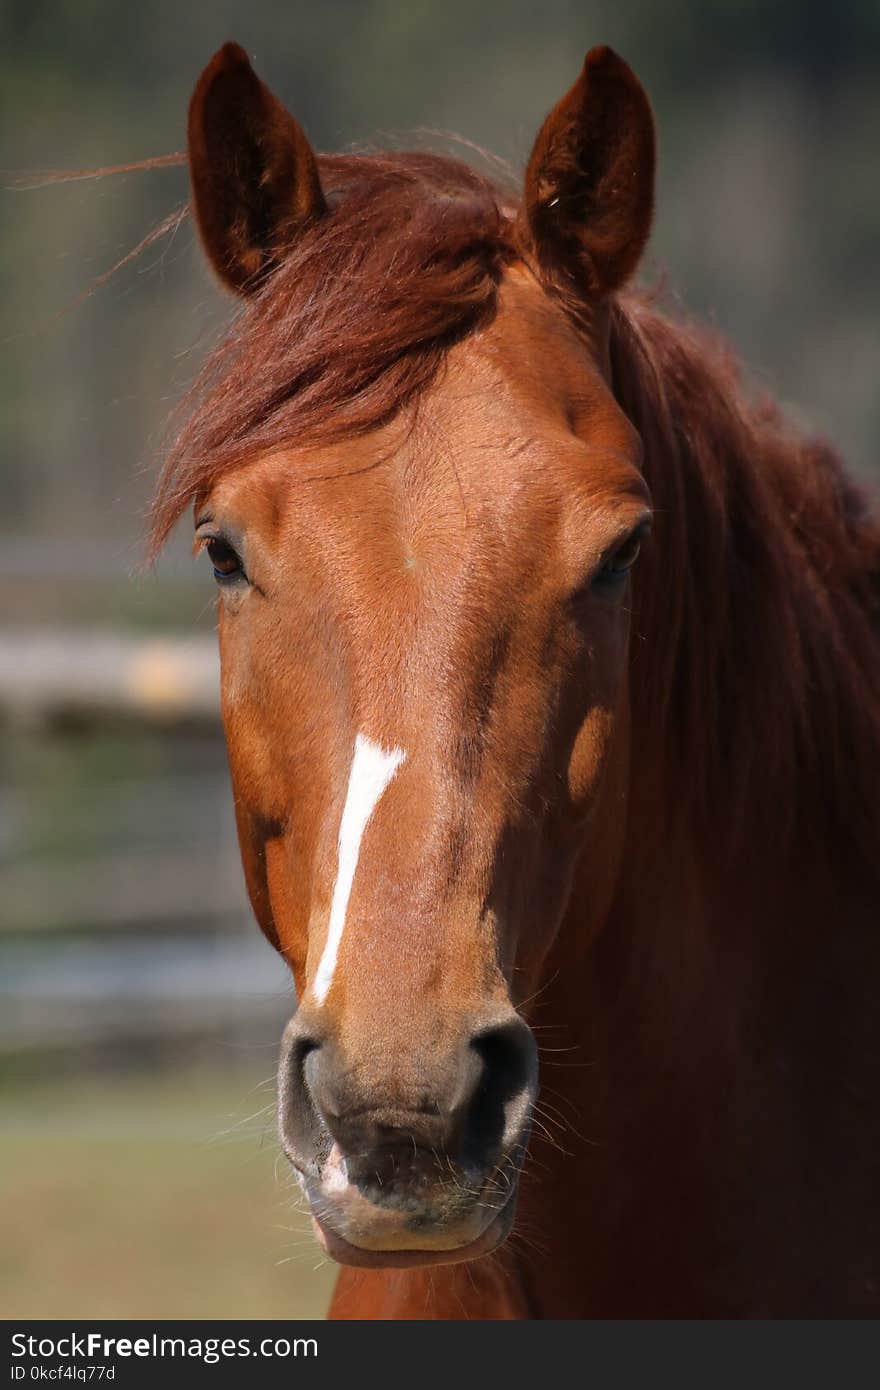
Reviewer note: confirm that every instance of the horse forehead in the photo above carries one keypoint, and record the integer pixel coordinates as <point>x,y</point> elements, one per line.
<point>519,424</point>
<point>525,406</point>
<point>547,368</point>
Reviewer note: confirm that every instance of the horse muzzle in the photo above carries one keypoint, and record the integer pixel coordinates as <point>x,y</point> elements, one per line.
<point>417,1166</point>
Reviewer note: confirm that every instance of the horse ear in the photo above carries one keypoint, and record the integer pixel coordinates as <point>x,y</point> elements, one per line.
<point>589,194</point>
<point>254,174</point>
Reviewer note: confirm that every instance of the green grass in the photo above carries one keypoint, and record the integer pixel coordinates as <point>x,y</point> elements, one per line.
<point>151,1198</point>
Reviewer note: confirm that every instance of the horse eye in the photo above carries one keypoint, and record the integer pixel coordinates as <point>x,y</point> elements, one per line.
<point>224,559</point>
<point>619,563</point>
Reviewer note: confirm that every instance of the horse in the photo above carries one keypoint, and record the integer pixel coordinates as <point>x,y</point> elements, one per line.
<point>549,676</point>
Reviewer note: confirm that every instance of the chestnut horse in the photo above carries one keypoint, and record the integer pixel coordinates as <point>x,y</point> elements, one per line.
<point>514,776</point>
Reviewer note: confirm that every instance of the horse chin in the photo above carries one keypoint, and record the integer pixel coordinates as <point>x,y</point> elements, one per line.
<point>441,1249</point>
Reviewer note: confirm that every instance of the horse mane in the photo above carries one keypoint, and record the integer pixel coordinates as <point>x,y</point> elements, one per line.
<point>756,662</point>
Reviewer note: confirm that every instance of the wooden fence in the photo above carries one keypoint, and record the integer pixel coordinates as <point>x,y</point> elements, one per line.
<point>89,676</point>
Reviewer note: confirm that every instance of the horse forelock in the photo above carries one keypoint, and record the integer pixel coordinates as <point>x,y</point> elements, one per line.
<point>353,325</point>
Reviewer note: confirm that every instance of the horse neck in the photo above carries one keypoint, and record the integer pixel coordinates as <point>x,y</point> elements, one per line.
<point>728,996</point>
<point>696,1043</point>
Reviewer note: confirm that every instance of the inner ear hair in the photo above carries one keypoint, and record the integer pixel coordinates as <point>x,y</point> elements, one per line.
<point>589,189</point>
<point>254,175</point>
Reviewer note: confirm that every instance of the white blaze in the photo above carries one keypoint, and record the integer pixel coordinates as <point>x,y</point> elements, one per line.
<point>372,768</point>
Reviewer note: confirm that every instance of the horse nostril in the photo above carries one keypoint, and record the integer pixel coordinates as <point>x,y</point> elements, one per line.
<point>299,1117</point>
<point>500,1105</point>
<point>305,1061</point>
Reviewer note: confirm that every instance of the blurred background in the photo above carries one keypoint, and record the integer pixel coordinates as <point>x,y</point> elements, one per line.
<point>139,1008</point>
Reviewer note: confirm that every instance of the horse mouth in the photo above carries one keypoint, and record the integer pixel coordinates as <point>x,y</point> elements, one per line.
<point>344,1252</point>
<point>358,1223</point>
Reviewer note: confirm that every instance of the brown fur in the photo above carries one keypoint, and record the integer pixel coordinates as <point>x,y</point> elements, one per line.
<point>655,832</point>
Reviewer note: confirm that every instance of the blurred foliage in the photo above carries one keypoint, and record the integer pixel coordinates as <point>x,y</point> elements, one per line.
<point>768,214</point>
<point>108,788</point>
